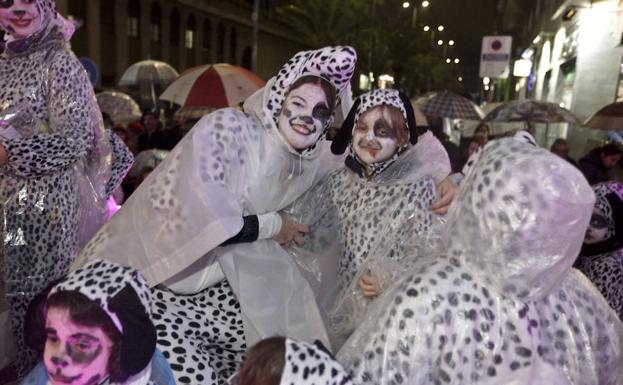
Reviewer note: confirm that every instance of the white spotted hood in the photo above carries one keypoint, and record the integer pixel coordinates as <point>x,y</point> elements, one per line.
<point>519,218</point>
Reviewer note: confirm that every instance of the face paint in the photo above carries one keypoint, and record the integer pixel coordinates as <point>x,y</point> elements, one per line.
<point>74,354</point>
<point>374,139</point>
<point>20,18</point>
<point>597,228</point>
<point>304,114</point>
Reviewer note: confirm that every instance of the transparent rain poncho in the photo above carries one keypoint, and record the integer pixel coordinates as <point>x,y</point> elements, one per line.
<point>230,165</point>
<point>358,226</point>
<point>52,189</point>
<point>499,303</point>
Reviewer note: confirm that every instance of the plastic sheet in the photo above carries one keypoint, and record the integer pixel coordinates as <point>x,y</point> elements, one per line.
<point>372,227</point>
<point>499,302</point>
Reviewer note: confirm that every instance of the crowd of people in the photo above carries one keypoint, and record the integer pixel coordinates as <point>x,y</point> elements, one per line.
<point>258,252</point>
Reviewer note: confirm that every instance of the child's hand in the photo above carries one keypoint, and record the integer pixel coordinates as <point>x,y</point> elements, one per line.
<point>291,232</point>
<point>369,286</point>
<point>447,189</point>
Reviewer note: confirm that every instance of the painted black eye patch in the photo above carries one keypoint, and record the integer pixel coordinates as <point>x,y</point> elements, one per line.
<point>321,112</point>
<point>6,3</point>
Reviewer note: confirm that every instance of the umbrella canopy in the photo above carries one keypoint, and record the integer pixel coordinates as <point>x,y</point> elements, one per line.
<point>450,105</point>
<point>212,86</point>
<point>148,159</point>
<point>609,117</point>
<point>149,72</point>
<point>119,106</point>
<point>531,111</point>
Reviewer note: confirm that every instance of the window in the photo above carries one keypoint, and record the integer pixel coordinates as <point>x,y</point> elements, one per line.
<point>156,23</point>
<point>134,14</point>
<point>175,28</point>
<point>189,36</point>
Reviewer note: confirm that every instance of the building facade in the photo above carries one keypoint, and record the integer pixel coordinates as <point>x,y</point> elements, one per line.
<point>576,55</point>
<point>184,33</point>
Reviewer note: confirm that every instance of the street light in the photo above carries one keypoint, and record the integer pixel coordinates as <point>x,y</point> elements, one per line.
<point>448,60</point>
<point>440,28</point>
<point>426,28</point>
<point>406,4</point>
<point>460,79</point>
<point>425,4</point>
<point>457,61</point>
<point>451,42</point>
<point>439,42</point>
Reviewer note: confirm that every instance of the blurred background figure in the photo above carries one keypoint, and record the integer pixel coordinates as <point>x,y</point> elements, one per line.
<point>560,147</point>
<point>596,164</point>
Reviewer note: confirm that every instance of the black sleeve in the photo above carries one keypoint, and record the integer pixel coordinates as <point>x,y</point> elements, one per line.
<point>249,233</point>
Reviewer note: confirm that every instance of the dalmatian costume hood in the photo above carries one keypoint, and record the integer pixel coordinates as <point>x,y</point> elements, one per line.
<point>125,296</point>
<point>369,216</point>
<point>59,161</point>
<point>499,303</point>
<point>602,262</point>
<point>310,364</point>
<point>232,164</point>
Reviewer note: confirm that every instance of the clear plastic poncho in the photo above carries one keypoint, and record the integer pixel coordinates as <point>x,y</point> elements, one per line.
<point>500,303</point>
<point>358,226</point>
<point>53,186</point>
<point>230,165</point>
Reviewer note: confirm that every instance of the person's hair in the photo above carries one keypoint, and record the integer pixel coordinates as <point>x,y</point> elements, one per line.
<point>328,89</point>
<point>107,119</point>
<point>610,149</point>
<point>84,312</point>
<point>264,363</point>
<point>558,142</point>
<point>394,118</point>
<point>483,127</point>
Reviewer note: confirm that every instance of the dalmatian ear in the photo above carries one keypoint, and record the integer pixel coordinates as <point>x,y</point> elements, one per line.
<point>34,326</point>
<point>342,140</point>
<point>411,124</point>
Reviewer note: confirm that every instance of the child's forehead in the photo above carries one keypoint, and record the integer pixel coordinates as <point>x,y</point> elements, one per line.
<point>59,321</point>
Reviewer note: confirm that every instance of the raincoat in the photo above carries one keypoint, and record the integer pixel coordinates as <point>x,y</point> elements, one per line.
<point>500,302</point>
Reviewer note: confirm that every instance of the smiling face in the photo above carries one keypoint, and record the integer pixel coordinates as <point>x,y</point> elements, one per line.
<point>74,354</point>
<point>20,18</point>
<point>378,134</point>
<point>597,228</point>
<point>304,115</point>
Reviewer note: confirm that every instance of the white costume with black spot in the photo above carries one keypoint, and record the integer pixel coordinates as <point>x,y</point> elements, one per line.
<point>311,364</point>
<point>358,219</point>
<point>53,187</point>
<point>232,164</point>
<point>602,262</point>
<point>500,303</point>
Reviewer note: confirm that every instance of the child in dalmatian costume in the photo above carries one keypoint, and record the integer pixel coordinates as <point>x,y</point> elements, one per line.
<point>285,361</point>
<point>55,159</point>
<point>202,224</point>
<point>601,257</point>
<point>500,302</point>
<point>389,179</point>
<point>95,328</point>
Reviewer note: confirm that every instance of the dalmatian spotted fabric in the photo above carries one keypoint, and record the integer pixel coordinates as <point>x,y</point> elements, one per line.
<point>100,281</point>
<point>451,321</point>
<point>202,335</point>
<point>605,267</point>
<point>59,155</point>
<point>307,364</point>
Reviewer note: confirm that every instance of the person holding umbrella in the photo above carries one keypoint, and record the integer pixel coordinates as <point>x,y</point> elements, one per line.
<point>54,155</point>
<point>595,164</point>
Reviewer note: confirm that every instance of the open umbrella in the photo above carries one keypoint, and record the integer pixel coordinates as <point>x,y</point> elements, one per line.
<point>531,111</point>
<point>147,79</point>
<point>447,104</point>
<point>205,88</point>
<point>119,106</point>
<point>609,117</point>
